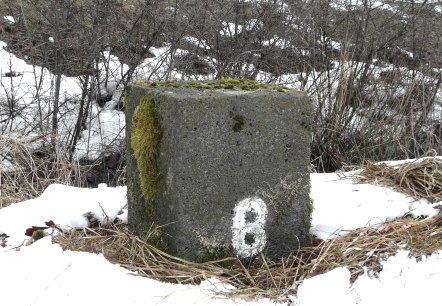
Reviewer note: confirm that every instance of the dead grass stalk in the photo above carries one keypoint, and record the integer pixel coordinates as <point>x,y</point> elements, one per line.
<point>27,168</point>
<point>421,178</point>
<point>365,247</point>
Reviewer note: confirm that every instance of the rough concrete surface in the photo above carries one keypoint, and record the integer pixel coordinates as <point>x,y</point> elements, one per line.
<point>233,169</point>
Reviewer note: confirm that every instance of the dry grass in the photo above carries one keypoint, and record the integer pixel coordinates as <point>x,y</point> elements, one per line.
<point>365,247</point>
<point>25,172</point>
<point>419,179</point>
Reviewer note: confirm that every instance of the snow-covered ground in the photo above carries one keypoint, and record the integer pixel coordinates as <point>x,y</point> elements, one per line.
<point>43,274</point>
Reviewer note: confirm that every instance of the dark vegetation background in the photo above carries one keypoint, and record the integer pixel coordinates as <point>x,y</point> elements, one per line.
<point>372,69</point>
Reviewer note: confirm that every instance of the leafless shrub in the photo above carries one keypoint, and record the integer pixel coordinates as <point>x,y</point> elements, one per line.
<point>28,166</point>
<point>372,69</point>
<point>380,96</point>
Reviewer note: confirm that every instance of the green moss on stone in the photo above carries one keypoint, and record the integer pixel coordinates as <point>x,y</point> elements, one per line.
<point>141,82</point>
<point>218,254</point>
<point>227,83</point>
<point>125,99</point>
<point>240,121</point>
<point>145,142</point>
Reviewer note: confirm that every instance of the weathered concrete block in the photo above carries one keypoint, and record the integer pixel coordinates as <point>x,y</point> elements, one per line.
<point>221,167</point>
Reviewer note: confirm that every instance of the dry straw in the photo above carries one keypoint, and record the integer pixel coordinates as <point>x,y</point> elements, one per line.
<point>421,178</point>
<point>28,166</point>
<point>364,248</point>
<point>17,176</point>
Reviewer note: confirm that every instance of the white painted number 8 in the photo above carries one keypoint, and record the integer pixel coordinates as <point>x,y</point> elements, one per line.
<point>249,236</point>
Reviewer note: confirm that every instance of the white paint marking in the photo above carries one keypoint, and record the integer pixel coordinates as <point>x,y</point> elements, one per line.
<point>249,237</point>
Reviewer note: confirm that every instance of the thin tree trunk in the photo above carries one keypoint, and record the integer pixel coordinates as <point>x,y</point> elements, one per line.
<point>58,76</point>
<point>81,113</point>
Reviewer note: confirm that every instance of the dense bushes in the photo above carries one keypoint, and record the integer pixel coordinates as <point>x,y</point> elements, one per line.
<point>373,70</point>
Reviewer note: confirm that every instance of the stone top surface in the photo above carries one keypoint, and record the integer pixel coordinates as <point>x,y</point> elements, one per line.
<point>235,85</point>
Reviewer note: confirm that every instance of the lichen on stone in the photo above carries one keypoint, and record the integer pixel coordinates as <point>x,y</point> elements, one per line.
<point>284,193</point>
